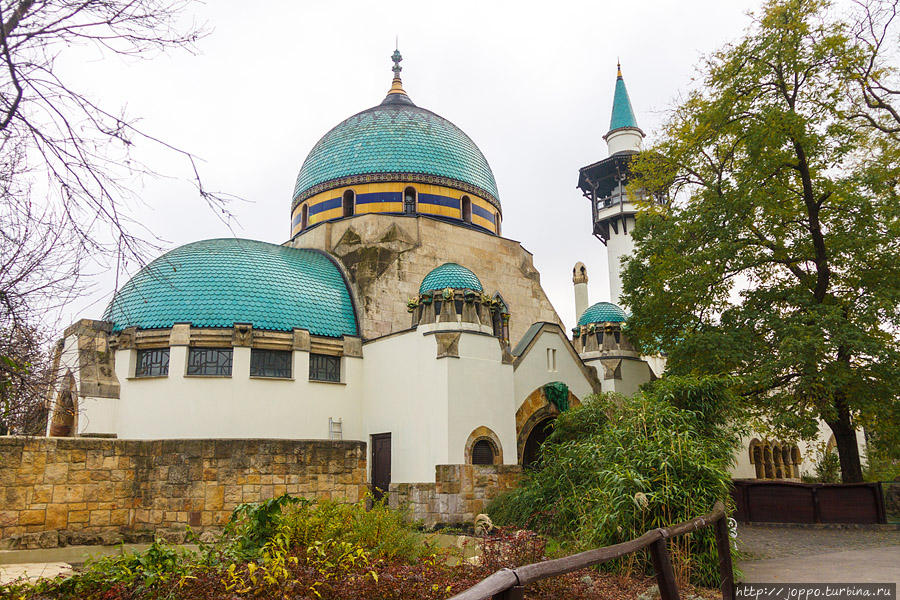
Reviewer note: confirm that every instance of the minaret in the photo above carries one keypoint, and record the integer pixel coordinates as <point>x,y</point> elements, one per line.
<point>579,280</point>
<point>603,183</point>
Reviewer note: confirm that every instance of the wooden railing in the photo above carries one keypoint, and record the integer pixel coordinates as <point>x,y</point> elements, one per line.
<point>509,584</point>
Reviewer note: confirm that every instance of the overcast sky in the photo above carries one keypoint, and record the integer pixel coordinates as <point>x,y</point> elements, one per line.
<point>530,83</point>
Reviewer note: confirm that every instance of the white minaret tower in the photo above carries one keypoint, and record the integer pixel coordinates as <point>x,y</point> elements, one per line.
<point>579,279</point>
<point>603,183</point>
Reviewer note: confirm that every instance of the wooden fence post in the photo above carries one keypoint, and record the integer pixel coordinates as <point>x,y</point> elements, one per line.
<point>665,576</point>
<point>516,592</point>
<point>723,546</point>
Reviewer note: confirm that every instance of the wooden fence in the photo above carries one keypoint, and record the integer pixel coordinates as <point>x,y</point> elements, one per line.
<point>762,501</point>
<point>509,584</point>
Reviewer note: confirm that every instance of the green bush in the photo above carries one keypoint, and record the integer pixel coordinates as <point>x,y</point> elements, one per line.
<point>385,533</point>
<point>614,468</point>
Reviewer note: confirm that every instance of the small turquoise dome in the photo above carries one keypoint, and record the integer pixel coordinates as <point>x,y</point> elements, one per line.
<point>450,275</point>
<point>217,283</point>
<point>396,138</point>
<point>602,312</point>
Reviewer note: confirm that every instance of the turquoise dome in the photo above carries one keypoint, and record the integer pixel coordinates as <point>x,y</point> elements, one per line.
<point>450,275</point>
<point>396,137</point>
<point>217,283</point>
<point>602,312</point>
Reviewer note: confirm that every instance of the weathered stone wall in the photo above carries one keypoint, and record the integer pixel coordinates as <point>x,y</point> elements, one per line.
<point>388,256</point>
<point>459,493</point>
<point>82,490</point>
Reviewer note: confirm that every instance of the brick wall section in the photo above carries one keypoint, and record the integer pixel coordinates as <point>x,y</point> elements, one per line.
<point>64,490</point>
<point>459,493</point>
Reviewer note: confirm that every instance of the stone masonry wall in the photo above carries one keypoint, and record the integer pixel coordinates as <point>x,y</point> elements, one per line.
<point>458,495</point>
<point>58,491</point>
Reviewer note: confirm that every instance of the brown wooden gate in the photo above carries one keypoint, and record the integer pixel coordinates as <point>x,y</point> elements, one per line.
<point>381,464</point>
<point>762,501</point>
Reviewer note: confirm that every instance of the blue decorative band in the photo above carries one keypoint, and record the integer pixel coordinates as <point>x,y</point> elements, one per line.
<point>439,200</point>
<point>325,205</point>
<point>379,197</point>
<point>477,210</point>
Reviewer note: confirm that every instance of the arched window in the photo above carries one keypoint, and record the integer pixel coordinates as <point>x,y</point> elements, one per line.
<point>497,223</point>
<point>409,201</point>
<point>349,203</point>
<point>482,453</point>
<point>466,209</point>
<point>304,218</point>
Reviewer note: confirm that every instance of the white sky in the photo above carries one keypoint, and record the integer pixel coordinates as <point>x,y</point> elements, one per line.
<point>531,83</point>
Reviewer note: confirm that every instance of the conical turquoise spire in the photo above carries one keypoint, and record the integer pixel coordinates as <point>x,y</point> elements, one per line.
<point>622,114</point>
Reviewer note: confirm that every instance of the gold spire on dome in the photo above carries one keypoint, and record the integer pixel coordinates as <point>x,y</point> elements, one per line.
<point>619,68</point>
<point>396,84</point>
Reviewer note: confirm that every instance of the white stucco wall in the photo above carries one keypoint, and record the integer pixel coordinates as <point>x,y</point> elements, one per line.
<point>619,244</point>
<point>533,371</point>
<point>406,396</point>
<point>480,393</point>
<point>634,374</point>
<point>181,406</point>
<point>624,140</point>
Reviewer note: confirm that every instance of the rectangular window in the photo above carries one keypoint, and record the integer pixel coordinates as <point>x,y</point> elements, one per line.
<point>270,363</point>
<point>551,359</point>
<point>153,362</point>
<point>323,367</point>
<point>209,361</point>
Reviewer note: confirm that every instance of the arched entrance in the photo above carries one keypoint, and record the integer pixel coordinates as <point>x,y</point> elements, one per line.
<point>531,453</point>
<point>534,420</point>
<point>62,424</point>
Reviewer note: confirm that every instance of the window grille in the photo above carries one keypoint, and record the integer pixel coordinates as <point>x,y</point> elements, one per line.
<point>209,361</point>
<point>409,201</point>
<point>152,363</point>
<point>270,363</point>
<point>482,453</point>
<point>335,429</point>
<point>323,367</point>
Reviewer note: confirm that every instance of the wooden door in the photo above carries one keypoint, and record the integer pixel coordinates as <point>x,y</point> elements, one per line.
<point>381,464</point>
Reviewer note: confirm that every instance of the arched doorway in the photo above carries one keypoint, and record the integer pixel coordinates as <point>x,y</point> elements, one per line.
<point>62,423</point>
<point>531,454</point>
<point>534,419</point>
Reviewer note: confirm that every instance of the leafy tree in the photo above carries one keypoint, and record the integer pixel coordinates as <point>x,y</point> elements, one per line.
<point>768,244</point>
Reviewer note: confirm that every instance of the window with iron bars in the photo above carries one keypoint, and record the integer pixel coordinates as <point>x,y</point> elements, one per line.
<point>270,363</point>
<point>214,362</point>
<point>323,367</point>
<point>152,362</point>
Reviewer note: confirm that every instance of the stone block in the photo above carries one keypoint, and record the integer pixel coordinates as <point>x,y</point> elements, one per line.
<point>118,517</point>
<point>57,517</point>
<point>55,473</point>
<point>32,517</point>
<point>99,518</point>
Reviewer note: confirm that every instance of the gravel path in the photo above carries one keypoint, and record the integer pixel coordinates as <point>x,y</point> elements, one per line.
<point>759,542</point>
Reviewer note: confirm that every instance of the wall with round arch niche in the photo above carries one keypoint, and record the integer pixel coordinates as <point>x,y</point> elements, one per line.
<point>483,447</point>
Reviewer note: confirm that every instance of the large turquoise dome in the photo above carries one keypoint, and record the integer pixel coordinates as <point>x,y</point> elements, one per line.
<point>217,283</point>
<point>396,138</point>
<point>602,312</point>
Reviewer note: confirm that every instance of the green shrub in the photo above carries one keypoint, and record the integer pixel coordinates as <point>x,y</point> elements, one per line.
<point>614,468</point>
<point>385,533</point>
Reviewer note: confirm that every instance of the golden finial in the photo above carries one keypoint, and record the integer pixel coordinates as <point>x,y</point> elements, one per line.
<point>396,84</point>
<point>619,68</point>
